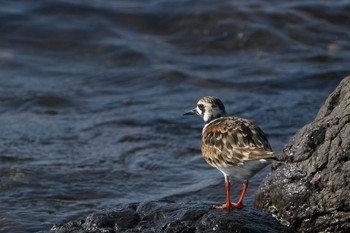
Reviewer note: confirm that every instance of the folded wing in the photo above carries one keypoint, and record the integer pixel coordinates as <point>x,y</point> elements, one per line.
<point>232,141</point>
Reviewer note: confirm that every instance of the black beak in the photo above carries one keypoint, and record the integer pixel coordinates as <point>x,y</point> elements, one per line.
<point>192,112</point>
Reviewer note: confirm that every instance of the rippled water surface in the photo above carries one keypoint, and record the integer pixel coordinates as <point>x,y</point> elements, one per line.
<point>92,95</point>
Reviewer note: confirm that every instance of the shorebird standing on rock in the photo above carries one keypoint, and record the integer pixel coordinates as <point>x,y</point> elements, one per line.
<point>235,146</point>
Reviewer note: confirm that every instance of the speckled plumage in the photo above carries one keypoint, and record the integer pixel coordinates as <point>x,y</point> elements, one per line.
<point>231,141</point>
<point>235,146</point>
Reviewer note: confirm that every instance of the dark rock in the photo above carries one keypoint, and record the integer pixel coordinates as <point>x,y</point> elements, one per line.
<point>170,217</point>
<point>310,192</point>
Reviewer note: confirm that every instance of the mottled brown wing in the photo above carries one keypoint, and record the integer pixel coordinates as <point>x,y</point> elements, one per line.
<point>231,140</point>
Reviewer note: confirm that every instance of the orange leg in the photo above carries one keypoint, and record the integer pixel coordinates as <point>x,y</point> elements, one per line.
<point>231,205</point>
<point>239,204</point>
<point>228,205</point>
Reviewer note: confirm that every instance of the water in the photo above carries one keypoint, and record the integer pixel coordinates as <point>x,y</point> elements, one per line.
<point>92,95</point>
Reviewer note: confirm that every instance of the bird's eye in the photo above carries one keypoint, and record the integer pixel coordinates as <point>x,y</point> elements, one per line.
<point>213,106</point>
<point>200,106</point>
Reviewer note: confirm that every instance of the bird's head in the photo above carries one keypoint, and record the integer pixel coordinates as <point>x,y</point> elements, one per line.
<point>209,108</point>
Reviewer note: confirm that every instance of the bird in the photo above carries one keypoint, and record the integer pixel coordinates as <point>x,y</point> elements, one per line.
<point>235,146</point>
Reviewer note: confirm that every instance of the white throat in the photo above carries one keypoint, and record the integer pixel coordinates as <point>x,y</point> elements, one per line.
<point>207,115</point>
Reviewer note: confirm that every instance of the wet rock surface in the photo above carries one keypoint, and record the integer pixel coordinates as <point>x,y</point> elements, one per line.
<point>166,216</point>
<point>310,191</point>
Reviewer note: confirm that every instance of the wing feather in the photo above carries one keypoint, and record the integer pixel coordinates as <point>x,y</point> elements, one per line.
<point>232,140</point>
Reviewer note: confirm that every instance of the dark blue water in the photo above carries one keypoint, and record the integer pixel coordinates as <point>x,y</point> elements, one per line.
<point>92,95</point>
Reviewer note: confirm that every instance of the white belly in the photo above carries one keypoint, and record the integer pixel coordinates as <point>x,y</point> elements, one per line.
<point>246,171</point>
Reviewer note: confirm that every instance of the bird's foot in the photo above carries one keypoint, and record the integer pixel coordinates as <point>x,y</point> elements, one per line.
<point>230,206</point>
<point>226,206</point>
<point>238,205</point>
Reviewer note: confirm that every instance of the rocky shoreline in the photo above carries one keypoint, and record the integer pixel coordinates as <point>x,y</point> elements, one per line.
<point>307,192</point>
<point>163,216</point>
